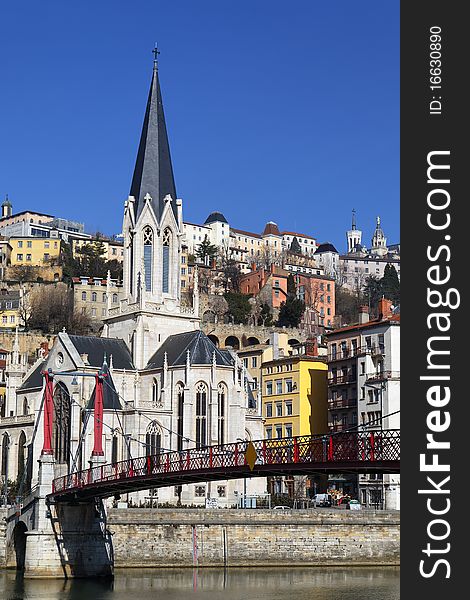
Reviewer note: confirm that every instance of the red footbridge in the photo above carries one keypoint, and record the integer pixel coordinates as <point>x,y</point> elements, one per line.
<point>346,452</point>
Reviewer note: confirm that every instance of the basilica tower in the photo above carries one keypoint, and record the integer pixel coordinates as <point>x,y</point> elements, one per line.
<point>354,235</point>
<point>150,310</point>
<point>379,241</point>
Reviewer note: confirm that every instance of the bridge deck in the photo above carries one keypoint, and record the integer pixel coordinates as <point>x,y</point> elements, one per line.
<point>376,452</point>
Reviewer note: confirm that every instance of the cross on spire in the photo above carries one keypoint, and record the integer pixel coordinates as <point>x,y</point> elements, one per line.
<point>155,53</point>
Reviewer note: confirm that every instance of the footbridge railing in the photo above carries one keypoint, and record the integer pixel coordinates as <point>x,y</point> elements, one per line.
<point>359,452</point>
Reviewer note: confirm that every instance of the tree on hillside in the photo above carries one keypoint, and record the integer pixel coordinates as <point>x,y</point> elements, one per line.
<point>91,259</point>
<point>115,268</point>
<point>70,265</point>
<point>239,307</point>
<point>291,311</point>
<point>206,251</point>
<point>347,305</point>
<point>391,284</point>
<point>265,317</point>
<point>372,292</point>
<point>295,246</point>
<point>23,273</point>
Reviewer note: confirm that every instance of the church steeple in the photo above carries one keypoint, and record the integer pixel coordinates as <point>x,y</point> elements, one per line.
<point>153,173</point>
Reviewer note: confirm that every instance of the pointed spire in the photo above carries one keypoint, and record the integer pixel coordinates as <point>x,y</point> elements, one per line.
<point>153,173</point>
<point>353,219</point>
<point>15,358</point>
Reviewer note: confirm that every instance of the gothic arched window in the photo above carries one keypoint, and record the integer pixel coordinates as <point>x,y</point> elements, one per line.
<point>5,452</point>
<point>148,255</point>
<point>166,261</point>
<point>153,439</point>
<point>114,448</point>
<point>21,461</point>
<point>180,415</point>
<point>154,393</point>
<point>221,404</point>
<point>25,406</point>
<point>62,424</point>
<point>201,415</point>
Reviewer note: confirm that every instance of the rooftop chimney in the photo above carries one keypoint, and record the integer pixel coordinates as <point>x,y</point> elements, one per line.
<point>363,314</point>
<point>385,308</point>
<point>312,347</point>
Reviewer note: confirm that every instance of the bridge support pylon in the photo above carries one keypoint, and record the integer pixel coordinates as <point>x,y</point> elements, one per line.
<point>69,539</point>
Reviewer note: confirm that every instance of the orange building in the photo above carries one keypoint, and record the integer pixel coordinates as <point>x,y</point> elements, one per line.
<point>318,293</point>
<point>269,284</point>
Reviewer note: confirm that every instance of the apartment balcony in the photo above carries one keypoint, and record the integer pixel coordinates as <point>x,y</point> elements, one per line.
<point>335,427</point>
<point>342,379</point>
<point>383,376</point>
<point>350,353</point>
<point>377,350</point>
<point>341,403</point>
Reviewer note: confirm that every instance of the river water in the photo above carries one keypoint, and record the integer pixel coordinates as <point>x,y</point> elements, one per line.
<point>214,584</point>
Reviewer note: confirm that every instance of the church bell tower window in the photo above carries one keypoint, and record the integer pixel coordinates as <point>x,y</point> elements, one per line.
<point>180,417</point>
<point>221,397</point>
<point>201,415</point>
<point>166,261</point>
<point>148,254</point>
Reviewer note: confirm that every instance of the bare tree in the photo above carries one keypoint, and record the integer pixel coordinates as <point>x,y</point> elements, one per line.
<point>52,310</point>
<point>266,258</point>
<point>219,306</point>
<point>24,273</point>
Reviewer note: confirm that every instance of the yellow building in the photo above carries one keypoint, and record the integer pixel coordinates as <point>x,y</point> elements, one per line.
<point>34,251</point>
<point>9,310</point>
<point>254,356</point>
<point>294,396</point>
<point>294,401</point>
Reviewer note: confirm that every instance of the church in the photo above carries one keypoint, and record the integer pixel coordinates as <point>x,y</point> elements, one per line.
<point>166,385</point>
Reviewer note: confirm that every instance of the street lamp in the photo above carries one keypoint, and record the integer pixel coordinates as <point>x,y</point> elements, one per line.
<point>244,479</point>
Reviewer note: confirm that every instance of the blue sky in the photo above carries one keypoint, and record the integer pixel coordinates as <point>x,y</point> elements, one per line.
<point>284,111</point>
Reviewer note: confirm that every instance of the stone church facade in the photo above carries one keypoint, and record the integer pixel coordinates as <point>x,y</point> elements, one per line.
<point>167,386</point>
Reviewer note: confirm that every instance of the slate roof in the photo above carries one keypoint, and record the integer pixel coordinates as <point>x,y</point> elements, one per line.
<point>215,217</point>
<point>34,380</point>
<point>153,173</point>
<point>201,350</point>
<point>110,396</point>
<point>326,247</point>
<point>96,348</point>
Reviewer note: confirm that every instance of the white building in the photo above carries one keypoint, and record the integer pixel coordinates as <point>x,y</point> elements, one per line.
<point>246,247</point>
<point>364,391</point>
<point>360,263</point>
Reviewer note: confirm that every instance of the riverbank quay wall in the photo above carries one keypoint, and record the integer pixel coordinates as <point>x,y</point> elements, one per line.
<point>239,538</point>
<point>218,538</point>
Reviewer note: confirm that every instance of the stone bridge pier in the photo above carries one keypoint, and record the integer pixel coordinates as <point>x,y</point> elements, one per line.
<point>63,540</point>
